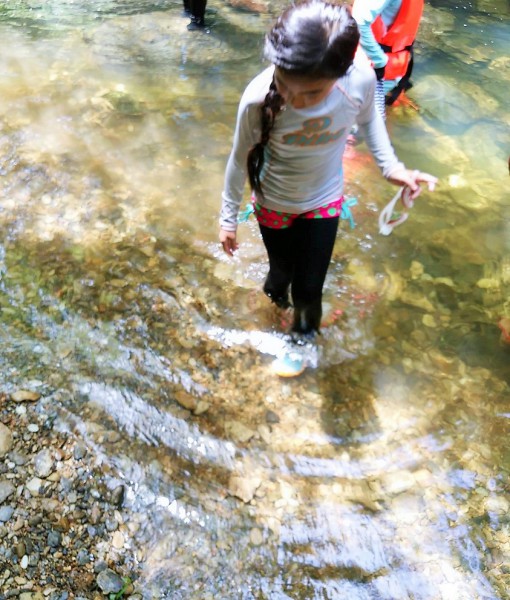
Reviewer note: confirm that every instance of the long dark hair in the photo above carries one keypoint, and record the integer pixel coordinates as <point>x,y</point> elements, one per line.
<point>314,39</point>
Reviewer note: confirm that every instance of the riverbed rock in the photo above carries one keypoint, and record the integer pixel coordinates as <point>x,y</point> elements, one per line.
<point>6,513</point>
<point>6,440</point>
<point>238,431</point>
<point>6,490</point>
<point>186,400</point>
<point>43,463</point>
<point>25,396</point>
<point>243,488</point>
<point>109,582</point>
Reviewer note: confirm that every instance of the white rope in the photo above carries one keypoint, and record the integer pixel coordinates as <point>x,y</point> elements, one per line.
<point>386,223</point>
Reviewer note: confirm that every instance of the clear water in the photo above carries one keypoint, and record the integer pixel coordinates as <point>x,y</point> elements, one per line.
<point>382,473</point>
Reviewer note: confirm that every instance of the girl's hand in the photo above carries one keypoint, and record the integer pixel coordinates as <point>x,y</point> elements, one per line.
<point>228,240</point>
<point>412,179</point>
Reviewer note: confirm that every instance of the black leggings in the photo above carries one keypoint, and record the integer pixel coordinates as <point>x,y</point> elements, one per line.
<point>299,257</point>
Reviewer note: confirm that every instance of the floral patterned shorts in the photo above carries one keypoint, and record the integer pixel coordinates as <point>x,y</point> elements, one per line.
<point>276,219</point>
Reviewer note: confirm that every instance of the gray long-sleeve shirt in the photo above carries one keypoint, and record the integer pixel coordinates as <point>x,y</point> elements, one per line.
<point>303,159</point>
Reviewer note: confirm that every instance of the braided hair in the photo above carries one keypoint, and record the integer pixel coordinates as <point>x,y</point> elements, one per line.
<point>314,39</point>
<point>270,108</point>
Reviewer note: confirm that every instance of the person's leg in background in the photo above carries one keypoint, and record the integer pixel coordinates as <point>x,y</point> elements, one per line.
<point>314,242</point>
<point>197,8</point>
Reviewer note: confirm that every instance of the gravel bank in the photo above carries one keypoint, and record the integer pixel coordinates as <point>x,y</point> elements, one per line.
<point>63,531</point>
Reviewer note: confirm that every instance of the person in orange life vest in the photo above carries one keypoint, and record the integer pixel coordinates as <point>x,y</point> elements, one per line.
<point>388,29</point>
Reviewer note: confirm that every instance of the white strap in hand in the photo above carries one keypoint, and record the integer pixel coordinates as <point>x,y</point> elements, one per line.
<point>386,223</point>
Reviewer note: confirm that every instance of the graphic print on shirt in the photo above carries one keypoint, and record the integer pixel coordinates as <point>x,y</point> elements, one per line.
<point>314,132</point>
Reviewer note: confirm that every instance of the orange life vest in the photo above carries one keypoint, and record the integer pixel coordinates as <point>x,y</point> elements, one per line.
<point>396,41</point>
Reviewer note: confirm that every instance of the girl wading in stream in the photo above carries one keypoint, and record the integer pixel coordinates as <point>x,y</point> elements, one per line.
<point>292,126</point>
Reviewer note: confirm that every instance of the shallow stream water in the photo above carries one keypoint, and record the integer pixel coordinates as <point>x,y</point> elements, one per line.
<point>382,472</point>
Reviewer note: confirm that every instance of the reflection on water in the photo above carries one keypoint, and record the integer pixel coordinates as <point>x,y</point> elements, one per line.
<point>382,472</point>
